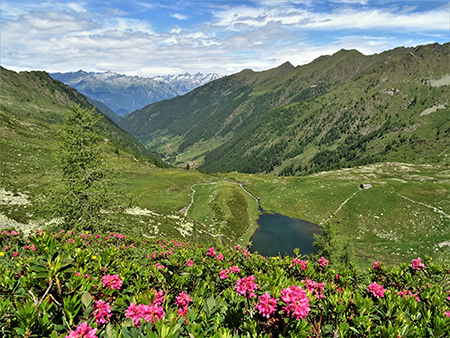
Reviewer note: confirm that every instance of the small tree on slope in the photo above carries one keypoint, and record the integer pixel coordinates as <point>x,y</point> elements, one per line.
<point>86,198</point>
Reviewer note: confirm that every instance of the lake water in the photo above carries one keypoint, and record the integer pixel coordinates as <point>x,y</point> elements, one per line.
<point>278,234</point>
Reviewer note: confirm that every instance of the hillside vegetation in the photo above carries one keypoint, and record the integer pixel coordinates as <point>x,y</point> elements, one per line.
<point>408,203</point>
<point>32,108</point>
<point>343,110</point>
<point>91,285</point>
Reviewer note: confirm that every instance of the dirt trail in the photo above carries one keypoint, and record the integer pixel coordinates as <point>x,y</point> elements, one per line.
<point>342,204</point>
<point>439,211</point>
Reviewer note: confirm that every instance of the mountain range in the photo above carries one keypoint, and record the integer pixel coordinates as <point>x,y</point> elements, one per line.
<point>338,111</point>
<point>124,94</point>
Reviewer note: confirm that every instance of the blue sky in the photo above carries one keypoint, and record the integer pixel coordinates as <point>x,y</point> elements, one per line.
<point>149,38</point>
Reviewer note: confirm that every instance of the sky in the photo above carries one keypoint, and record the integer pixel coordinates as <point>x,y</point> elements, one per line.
<point>149,38</point>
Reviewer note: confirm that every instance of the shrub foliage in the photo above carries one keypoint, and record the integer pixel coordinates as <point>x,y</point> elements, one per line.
<point>85,284</point>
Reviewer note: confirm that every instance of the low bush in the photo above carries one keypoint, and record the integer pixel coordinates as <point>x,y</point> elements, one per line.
<point>109,285</point>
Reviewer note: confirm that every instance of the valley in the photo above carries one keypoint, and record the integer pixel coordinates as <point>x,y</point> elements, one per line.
<point>300,140</point>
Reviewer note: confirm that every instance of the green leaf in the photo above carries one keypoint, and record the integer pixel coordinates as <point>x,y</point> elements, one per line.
<point>86,299</point>
<point>355,330</point>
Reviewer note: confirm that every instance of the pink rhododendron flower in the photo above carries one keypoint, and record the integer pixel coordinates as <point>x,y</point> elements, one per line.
<point>220,257</point>
<point>297,302</point>
<point>112,281</point>
<point>147,312</point>
<point>189,263</point>
<point>377,266</point>
<point>102,312</point>
<point>267,305</point>
<point>235,269</point>
<point>159,297</point>
<point>408,293</point>
<point>314,287</point>
<point>323,261</point>
<point>224,274</point>
<point>182,301</point>
<point>416,264</point>
<point>15,254</point>
<point>246,285</point>
<point>303,264</point>
<point>376,289</point>
<point>447,313</point>
<point>159,266</point>
<point>83,331</point>
<point>211,252</point>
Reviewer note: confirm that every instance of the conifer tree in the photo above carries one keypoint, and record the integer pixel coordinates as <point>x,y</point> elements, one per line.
<point>86,198</point>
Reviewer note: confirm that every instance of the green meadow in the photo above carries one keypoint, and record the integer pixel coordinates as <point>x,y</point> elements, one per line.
<point>404,215</point>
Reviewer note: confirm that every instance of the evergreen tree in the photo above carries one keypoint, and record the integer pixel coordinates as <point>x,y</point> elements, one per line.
<point>326,243</point>
<point>330,246</point>
<point>86,198</point>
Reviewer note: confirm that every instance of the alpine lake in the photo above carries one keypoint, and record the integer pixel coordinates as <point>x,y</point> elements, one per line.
<point>281,235</point>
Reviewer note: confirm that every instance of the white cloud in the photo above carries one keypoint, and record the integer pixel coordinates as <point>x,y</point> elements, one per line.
<point>58,36</point>
<point>238,18</point>
<point>179,16</point>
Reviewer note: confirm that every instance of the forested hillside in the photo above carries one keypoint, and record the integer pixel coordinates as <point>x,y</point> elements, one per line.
<point>342,110</point>
<point>32,108</point>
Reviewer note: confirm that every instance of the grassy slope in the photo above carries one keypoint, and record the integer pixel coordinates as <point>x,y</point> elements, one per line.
<point>392,92</point>
<point>267,121</point>
<point>405,213</point>
<point>406,208</point>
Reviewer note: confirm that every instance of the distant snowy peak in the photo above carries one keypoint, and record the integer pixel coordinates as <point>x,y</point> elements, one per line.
<point>198,79</point>
<point>124,93</point>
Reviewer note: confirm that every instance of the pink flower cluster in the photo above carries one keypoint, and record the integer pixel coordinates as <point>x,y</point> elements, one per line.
<point>182,301</point>
<point>102,312</point>
<point>211,252</point>
<point>247,285</point>
<point>408,293</point>
<point>416,264</point>
<point>147,312</point>
<point>314,287</point>
<point>303,264</point>
<point>159,266</point>
<point>297,302</point>
<point>376,289</point>
<point>377,266</point>
<point>189,263</point>
<point>232,269</point>
<point>112,281</point>
<point>224,274</point>
<point>267,305</point>
<point>83,331</point>
<point>323,261</point>
<point>235,269</point>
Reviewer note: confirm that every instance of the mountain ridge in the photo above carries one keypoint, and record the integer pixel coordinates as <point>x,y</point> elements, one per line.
<point>124,94</point>
<point>347,88</point>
